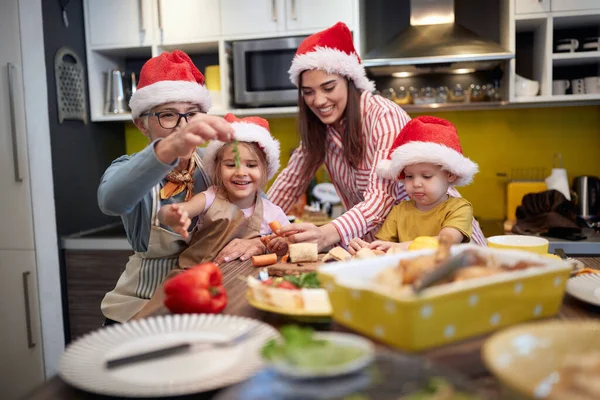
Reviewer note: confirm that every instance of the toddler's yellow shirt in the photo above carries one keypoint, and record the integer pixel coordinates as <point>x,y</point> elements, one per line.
<point>405,222</point>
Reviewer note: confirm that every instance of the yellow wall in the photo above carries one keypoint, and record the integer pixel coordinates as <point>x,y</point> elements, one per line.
<point>498,140</point>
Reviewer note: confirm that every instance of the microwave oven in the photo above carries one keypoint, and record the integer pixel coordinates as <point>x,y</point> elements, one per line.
<point>260,72</point>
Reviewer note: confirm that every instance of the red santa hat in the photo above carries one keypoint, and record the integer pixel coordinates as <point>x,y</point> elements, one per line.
<point>428,140</point>
<point>249,129</point>
<point>332,51</point>
<point>169,77</point>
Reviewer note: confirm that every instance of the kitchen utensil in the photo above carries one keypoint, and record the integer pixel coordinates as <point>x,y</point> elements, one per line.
<point>587,189</point>
<point>115,101</point>
<point>179,348</point>
<point>446,269</point>
<point>578,86</point>
<point>519,242</point>
<point>560,86</point>
<point>526,87</point>
<point>70,86</point>
<point>592,84</point>
<point>558,178</point>
<point>566,45</point>
<point>82,365</point>
<point>526,358</point>
<point>591,44</point>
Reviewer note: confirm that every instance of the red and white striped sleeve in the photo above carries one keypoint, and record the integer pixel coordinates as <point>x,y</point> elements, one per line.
<point>381,194</point>
<point>290,183</point>
<point>477,235</point>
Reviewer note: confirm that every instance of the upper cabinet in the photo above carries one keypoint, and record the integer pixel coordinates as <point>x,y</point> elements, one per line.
<point>575,5</point>
<point>139,23</point>
<point>119,23</point>
<point>315,15</point>
<point>283,17</point>
<point>241,17</point>
<point>531,6</point>
<point>185,21</point>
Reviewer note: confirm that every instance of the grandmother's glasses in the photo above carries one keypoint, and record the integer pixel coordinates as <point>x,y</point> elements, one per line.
<point>171,119</point>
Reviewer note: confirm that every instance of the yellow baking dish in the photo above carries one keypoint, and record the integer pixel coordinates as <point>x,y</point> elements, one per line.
<point>444,313</point>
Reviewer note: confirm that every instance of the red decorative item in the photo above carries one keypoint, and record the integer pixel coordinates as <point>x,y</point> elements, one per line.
<point>197,290</point>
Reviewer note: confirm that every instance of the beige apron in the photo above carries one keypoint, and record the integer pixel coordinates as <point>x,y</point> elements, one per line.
<point>222,222</point>
<point>145,271</point>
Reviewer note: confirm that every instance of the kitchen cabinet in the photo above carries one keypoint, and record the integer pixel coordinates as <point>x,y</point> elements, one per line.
<point>283,17</point>
<point>185,21</point>
<point>240,17</point>
<point>532,6</point>
<point>31,331</point>
<point>315,15</point>
<point>14,171</point>
<point>573,5</point>
<point>537,58</point>
<point>119,23</point>
<point>90,274</point>
<point>21,345</point>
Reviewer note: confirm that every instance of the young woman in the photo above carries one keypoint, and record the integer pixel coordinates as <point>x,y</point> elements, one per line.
<point>350,130</point>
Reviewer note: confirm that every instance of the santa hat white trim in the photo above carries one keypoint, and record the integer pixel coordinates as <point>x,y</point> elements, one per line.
<point>163,92</point>
<point>247,132</point>
<point>428,152</point>
<point>331,61</point>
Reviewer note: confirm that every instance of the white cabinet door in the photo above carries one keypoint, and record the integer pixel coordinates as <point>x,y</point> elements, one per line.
<point>119,23</point>
<point>532,6</point>
<point>15,196</point>
<point>20,344</point>
<point>185,21</point>
<point>243,17</point>
<point>573,5</point>
<point>316,15</point>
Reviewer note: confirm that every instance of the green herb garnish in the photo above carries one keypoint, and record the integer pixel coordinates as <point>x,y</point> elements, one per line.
<point>236,153</point>
<point>307,280</point>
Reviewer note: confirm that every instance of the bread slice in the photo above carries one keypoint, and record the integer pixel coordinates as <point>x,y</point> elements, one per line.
<point>337,254</point>
<point>304,252</point>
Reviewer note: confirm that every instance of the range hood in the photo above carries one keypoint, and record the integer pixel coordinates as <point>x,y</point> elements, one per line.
<point>434,42</point>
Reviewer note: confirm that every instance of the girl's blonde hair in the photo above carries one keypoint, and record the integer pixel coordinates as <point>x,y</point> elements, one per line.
<point>254,150</point>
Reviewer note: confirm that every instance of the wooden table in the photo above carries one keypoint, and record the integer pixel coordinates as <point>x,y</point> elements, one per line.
<point>463,357</point>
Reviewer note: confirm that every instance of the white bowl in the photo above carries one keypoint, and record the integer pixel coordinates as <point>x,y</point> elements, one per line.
<point>520,242</point>
<point>525,87</point>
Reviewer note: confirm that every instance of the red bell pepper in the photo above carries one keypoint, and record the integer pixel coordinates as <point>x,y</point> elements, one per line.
<point>196,290</point>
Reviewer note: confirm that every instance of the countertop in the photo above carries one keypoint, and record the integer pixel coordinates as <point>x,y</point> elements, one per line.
<point>112,237</point>
<point>108,237</point>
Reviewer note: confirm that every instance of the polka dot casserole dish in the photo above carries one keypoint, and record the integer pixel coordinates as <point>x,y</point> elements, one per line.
<point>505,288</point>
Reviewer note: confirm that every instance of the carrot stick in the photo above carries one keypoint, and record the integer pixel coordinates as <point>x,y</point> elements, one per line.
<point>275,226</point>
<point>264,260</point>
<point>267,238</point>
<point>285,257</point>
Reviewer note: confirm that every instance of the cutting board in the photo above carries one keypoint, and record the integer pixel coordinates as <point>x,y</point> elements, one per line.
<point>515,192</point>
<point>288,268</point>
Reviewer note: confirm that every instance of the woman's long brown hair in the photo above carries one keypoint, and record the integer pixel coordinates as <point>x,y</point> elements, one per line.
<point>313,132</point>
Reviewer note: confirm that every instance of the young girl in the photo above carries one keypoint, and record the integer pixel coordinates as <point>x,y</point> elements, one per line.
<point>428,158</point>
<point>233,208</point>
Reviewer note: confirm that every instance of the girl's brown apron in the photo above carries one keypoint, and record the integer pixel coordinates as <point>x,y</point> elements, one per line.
<point>145,271</point>
<point>222,223</point>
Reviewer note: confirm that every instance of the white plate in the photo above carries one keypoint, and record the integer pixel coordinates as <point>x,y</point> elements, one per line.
<point>585,287</point>
<point>344,339</point>
<point>83,363</point>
